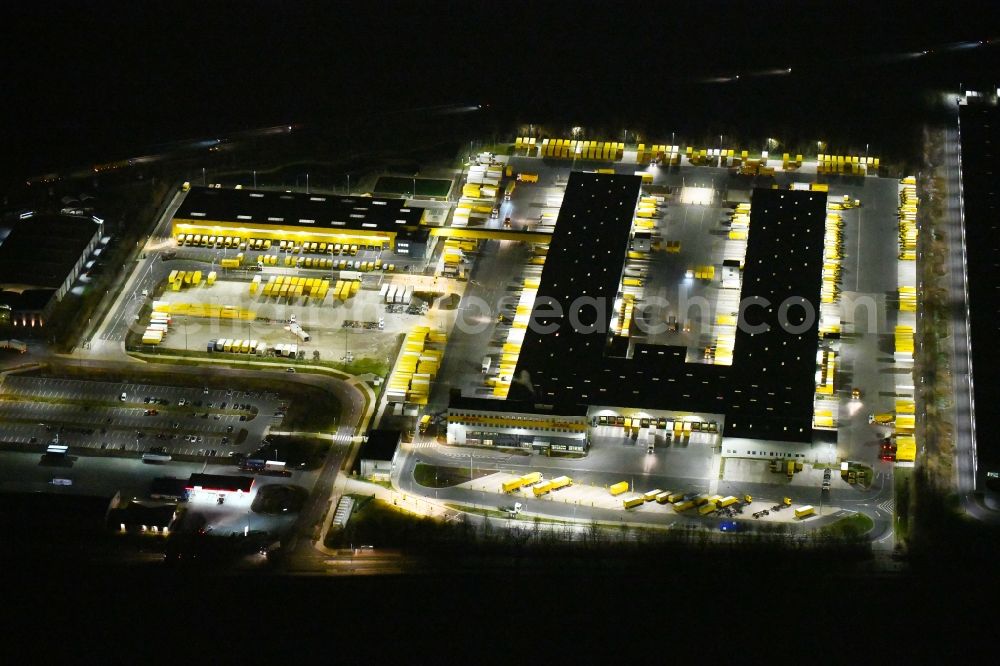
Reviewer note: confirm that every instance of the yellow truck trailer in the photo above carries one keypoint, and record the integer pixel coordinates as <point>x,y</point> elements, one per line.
<point>729,500</point>
<point>651,495</point>
<point>561,482</point>
<point>531,478</point>
<point>663,498</point>
<point>511,486</point>
<point>618,488</point>
<point>542,488</point>
<point>680,507</point>
<point>674,497</point>
<point>804,511</point>
<point>634,502</point>
<point>706,508</point>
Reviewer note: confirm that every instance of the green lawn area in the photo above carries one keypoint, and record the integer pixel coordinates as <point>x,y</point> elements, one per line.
<point>311,410</point>
<point>848,528</point>
<point>436,476</point>
<point>295,452</point>
<point>278,499</point>
<point>426,187</point>
<point>489,513</point>
<point>358,366</point>
<point>383,525</point>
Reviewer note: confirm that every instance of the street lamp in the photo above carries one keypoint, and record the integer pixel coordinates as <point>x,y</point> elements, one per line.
<point>348,184</point>
<point>307,183</point>
<point>255,179</point>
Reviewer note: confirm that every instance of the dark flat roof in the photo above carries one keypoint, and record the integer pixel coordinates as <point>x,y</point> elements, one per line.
<point>137,513</point>
<point>297,209</point>
<point>586,258</point>
<point>167,486</point>
<point>768,391</point>
<point>980,126</point>
<point>41,250</point>
<point>224,482</point>
<point>381,445</point>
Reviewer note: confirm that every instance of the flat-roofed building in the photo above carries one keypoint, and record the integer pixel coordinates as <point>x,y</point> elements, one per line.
<point>41,257</point>
<point>298,217</point>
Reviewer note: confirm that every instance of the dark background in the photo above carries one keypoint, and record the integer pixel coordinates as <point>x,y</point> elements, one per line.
<point>94,81</point>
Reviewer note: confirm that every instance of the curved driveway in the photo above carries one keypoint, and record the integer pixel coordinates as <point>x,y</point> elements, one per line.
<point>872,502</point>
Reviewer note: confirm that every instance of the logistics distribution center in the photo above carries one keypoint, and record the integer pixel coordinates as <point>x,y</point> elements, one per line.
<point>592,341</point>
<point>579,366</point>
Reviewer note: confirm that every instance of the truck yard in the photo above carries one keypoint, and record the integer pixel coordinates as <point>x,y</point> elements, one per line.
<point>271,295</point>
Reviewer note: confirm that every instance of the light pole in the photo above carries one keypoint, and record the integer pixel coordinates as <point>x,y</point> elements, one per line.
<point>255,179</point>
<point>204,177</point>
<point>307,183</point>
<point>348,184</point>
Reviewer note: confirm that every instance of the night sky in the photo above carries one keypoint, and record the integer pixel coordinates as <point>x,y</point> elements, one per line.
<point>86,82</point>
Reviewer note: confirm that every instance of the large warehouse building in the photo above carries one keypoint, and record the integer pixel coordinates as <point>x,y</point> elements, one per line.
<point>41,257</point>
<point>580,371</point>
<point>299,218</point>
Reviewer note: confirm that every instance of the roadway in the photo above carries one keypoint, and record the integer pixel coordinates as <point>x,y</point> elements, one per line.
<point>476,332</point>
<point>960,352</point>
<point>876,502</point>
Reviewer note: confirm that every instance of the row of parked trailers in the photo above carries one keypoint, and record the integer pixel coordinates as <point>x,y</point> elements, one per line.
<point>159,324</point>
<point>417,366</point>
<point>263,244</point>
<point>235,346</point>
<point>705,503</point>
<point>285,286</point>
<point>856,165</point>
<point>198,240</point>
<point>663,154</point>
<point>396,293</point>
<point>538,485</point>
<point>177,279</point>
<point>584,150</point>
<point>908,219</point>
<point>661,423</point>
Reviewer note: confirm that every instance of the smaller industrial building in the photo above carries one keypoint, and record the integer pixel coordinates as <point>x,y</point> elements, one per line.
<point>41,257</point>
<point>144,518</point>
<point>522,424</point>
<point>378,454</point>
<point>303,218</point>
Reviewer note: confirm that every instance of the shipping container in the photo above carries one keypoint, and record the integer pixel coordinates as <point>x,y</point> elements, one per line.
<point>634,502</point>
<point>618,488</point>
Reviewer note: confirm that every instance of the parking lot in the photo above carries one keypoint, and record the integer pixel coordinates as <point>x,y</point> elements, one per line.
<point>184,421</point>
<point>329,324</point>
